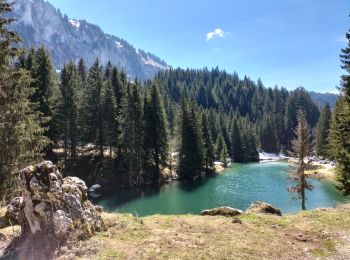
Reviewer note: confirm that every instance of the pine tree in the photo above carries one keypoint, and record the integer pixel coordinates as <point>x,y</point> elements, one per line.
<point>345,60</point>
<point>132,131</point>
<point>340,124</point>
<point>69,109</point>
<point>21,131</point>
<point>46,92</point>
<point>237,147</point>
<point>301,148</point>
<point>221,149</point>
<point>110,115</point>
<point>339,138</point>
<point>191,153</point>
<point>82,70</point>
<point>268,135</point>
<point>322,142</point>
<point>156,135</point>
<point>208,147</point>
<point>93,107</point>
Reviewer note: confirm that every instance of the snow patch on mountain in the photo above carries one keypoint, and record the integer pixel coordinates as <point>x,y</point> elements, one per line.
<point>74,23</point>
<point>119,45</point>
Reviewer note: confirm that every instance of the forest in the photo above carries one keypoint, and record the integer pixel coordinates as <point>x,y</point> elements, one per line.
<point>100,125</point>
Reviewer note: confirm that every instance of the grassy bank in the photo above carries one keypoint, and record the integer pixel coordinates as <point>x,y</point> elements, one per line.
<point>308,235</point>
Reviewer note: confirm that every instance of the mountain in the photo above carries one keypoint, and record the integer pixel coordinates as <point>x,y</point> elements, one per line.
<point>40,23</point>
<point>322,98</point>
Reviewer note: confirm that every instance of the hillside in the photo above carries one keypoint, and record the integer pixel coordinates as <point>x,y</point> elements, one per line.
<point>322,98</point>
<point>308,235</point>
<point>40,23</point>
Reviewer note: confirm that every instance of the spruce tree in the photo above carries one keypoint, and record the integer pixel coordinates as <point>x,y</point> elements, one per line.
<point>345,65</point>
<point>340,124</point>
<point>221,149</point>
<point>208,148</point>
<point>110,115</point>
<point>156,135</point>
<point>301,148</point>
<point>191,153</point>
<point>322,132</point>
<point>46,92</point>
<point>237,147</point>
<point>93,106</point>
<point>339,138</point>
<point>21,131</point>
<point>82,70</point>
<point>132,131</point>
<point>69,109</point>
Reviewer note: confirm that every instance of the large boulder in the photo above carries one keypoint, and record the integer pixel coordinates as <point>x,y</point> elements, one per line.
<point>222,211</point>
<point>52,205</point>
<point>262,207</point>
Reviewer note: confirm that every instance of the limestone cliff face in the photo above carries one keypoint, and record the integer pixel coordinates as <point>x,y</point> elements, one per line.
<point>40,23</point>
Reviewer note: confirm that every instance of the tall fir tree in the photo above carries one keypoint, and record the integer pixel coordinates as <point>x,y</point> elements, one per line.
<point>21,133</point>
<point>208,147</point>
<point>156,135</point>
<point>132,132</point>
<point>190,153</point>
<point>322,132</point>
<point>221,150</point>
<point>69,109</point>
<point>339,138</point>
<point>237,146</point>
<point>93,106</point>
<point>82,70</point>
<point>110,116</point>
<point>340,124</point>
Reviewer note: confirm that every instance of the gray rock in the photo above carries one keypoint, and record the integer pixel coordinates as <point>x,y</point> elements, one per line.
<point>51,204</point>
<point>222,211</point>
<point>262,207</point>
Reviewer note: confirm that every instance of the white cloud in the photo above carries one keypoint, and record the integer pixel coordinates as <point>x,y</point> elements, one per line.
<point>218,32</point>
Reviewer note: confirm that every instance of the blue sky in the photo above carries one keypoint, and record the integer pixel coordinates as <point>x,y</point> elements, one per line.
<point>290,43</point>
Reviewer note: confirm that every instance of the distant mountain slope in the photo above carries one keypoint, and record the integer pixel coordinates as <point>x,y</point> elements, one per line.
<point>40,23</point>
<point>323,98</point>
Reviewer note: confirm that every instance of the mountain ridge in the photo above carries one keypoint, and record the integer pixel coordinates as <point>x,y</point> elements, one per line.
<point>38,22</point>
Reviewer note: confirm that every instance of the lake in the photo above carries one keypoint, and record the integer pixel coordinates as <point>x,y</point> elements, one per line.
<point>237,187</point>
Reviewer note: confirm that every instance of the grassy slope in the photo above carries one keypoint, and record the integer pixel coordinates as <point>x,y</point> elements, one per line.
<point>307,235</point>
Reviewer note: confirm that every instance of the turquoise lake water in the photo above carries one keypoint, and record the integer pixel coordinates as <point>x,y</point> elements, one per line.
<point>237,187</point>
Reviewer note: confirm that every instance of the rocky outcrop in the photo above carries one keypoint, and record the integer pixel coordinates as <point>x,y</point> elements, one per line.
<point>222,211</point>
<point>51,210</point>
<point>51,204</point>
<point>262,207</point>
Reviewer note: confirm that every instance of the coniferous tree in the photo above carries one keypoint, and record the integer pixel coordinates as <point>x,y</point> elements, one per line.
<point>156,135</point>
<point>82,70</point>
<point>110,115</point>
<point>69,109</point>
<point>208,148</point>
<point>340,124</point>
<point>237,147</point>
<point>345,60</point>
<point>322,132</point>
<point>132,131</point>
<point>93,106</point>
<point>268,135</point>
<point>221,150</point>
<point>21,131</point>
<point>339,138</point>
<point>46,91</point>
<point>301,148</point>
<point>118,83</point>
<point>191,153</point>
